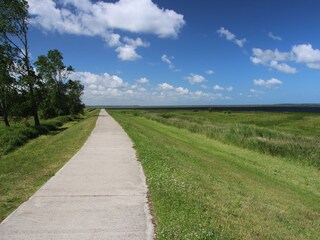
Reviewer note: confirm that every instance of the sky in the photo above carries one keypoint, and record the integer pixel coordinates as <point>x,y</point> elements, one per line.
<point>174,52</point>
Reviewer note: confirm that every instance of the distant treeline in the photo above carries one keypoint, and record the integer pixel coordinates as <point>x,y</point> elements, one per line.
<point>312,108</point>
<point>38,89</point>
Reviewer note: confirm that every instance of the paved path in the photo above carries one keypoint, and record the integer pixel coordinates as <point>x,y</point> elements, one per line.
<point>99,194</point>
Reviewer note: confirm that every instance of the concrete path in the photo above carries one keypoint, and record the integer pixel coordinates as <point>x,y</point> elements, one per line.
<point>99,194</point>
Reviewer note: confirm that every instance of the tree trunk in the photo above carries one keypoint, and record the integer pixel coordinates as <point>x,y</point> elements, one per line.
<point>5,118</point>
<point>4,114</point>
<point>35,115</point>
<point>34,106</point>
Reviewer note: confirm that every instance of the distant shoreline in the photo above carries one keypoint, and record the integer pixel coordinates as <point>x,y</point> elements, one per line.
<point>312,108</point>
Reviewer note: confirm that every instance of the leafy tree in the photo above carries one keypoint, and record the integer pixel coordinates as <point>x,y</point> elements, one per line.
<point>75,90</point>
<point>62,95</point>
<point>13,34</point>
<point>6,83</point>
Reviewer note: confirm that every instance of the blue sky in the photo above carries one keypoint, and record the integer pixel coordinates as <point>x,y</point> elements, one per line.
<point>169,52</point>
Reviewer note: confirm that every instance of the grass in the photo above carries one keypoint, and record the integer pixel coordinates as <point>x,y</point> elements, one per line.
<point>21,132</point>
<point>202,188</point>
<point>294,136</point>
<point>26,169</point>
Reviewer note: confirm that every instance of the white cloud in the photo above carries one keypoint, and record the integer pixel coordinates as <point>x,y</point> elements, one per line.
<point>231,37</point>
<point>96,18</point>
<point>314,65</point>
<point>167,60</point>
<point>267,83</point>
<point>113,40</point>
<point>229,89</point>
<point>101,19</point>
<point>143,80</point>
<point>95,80</point>
<point>274,37</point>
<point>127,52</point>
<point>195,78</point>
<point>303,54</point>
<point>218,88</point>
<point>266,56</point>
<point>107,89</point>
<point>182,90</point>
<point>272,58</point>
<point>92,86</point>
<point>253,90</point>
<point>142,89</point>
<point>209,72</point>
<point>282,67</point>
<point>165,86</point>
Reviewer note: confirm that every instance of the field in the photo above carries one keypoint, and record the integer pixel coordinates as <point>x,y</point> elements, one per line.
<point>229,175</point>
<point>26,169</point>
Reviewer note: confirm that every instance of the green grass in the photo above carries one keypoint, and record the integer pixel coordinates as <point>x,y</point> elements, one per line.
<point>21,132</point>
<point>26,169</point>
<point>294,136</point>
<point>202,188</point>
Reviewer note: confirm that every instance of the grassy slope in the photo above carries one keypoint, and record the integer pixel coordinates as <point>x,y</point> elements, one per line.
<point>294,136</point>
<point>23,171</point>
<point>204,189</point>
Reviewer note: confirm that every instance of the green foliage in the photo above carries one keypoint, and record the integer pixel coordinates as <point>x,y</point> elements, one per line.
<point>13,36</point>
<point>201,188</point>
<point>50,92</point>
<point>61,95</point>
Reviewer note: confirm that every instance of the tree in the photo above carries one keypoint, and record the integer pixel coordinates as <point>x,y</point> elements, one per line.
<point>75,90</point>
<point>13,34</point>
<point>6,83</point>
<point>62,95</point>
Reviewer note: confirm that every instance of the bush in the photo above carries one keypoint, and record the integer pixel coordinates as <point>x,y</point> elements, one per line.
<point>13,138</point>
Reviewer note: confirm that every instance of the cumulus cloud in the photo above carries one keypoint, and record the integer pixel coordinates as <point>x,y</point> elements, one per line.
<point>305,53</point>
<point>97,18</point>
<point>218,88</point>
<point>101,19</point>
<point>127,51</point>
<point>182,90</point>
<point>168,60</point>
<point>113,40</point>
<point>273,59</point>
<point>104,80</point>
<point>266,56</point>
<point>165,86</point>
<point>143,80</point>
<point>302,53</point>
<point>231,37</point>
<point>171,92</point>
<point>209,72</point>
<point>108,89</point>
<point>282,67</point>
<point>267,83</point>
<point>274,37</point>
<point>195,78</point>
